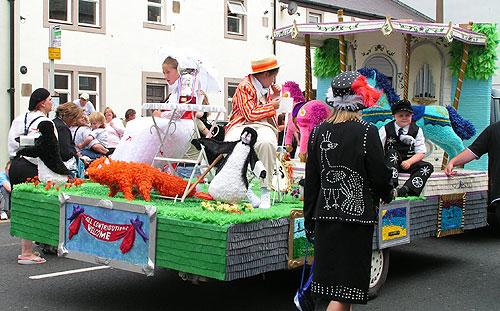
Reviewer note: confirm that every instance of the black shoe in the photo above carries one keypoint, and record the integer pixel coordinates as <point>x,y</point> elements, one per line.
<point>403,191</point>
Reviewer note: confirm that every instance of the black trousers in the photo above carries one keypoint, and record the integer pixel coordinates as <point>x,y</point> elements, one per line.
<point>20,170</point>
<point>419,172</point>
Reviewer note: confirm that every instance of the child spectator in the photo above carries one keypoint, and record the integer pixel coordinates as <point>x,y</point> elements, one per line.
<point>404,146</point>
<point>129,116</point>
<point>97,136</point>
<point>5,193</point>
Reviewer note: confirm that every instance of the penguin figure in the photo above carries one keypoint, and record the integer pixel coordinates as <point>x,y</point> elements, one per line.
<point>230,183</point>
<point>46,148</point>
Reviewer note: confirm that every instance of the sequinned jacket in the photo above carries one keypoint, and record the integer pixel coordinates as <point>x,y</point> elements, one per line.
<point>345,174</point>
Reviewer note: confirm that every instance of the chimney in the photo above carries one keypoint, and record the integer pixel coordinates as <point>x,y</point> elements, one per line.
<point>439,11</point>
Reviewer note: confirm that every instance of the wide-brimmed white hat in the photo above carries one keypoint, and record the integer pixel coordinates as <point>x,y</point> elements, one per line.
<point>264,64</point>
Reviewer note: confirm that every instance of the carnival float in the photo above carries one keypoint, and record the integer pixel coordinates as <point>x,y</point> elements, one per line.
<point>97,220</point>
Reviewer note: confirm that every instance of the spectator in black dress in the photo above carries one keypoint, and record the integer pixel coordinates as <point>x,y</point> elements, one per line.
<point>67,115</point>
<point>344,182</point>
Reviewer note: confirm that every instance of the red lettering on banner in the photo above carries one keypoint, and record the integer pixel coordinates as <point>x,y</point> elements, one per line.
<point>105,231</point>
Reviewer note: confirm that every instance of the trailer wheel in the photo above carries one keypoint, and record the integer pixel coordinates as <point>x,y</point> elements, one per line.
<point>379,269</point>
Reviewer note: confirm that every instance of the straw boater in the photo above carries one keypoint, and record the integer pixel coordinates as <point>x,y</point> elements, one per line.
<point>254,105</point>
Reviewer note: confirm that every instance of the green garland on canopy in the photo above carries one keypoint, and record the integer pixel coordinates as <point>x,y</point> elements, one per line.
<point>327,59</point>
<point>481,63</point>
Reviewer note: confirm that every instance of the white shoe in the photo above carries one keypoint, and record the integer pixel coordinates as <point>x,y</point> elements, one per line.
<point>265,201</point>
<point>3,216</point>
<point>253,198</point>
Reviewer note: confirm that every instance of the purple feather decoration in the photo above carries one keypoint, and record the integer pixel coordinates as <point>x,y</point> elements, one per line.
<point>295,91</point>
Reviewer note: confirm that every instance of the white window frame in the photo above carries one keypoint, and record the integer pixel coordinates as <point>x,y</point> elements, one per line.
<point>68,14</point>
<point>73,23</point>
<point>229,82</point>
<point>151,78</point>
<point>235,9</point>
<point>64,91</point>
<point>313,13</point>
<point>95,92</point>
<point>160,5</point>
<point>97,15</point>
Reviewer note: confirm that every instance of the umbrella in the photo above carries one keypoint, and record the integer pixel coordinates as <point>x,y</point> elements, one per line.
<point>206,74</point>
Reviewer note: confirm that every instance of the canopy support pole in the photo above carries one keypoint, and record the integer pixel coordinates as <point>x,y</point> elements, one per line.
<point>407,66</point>
<point>308,91</point>
<point>458,89</point>
<point>340,15</point>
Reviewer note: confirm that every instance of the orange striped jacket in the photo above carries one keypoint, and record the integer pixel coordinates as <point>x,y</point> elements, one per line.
<point>246,106</point>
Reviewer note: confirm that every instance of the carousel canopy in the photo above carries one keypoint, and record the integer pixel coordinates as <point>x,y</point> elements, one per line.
<point>320,32</point>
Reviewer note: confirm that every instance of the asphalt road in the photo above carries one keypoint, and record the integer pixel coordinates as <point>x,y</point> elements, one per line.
<point>452,273</point>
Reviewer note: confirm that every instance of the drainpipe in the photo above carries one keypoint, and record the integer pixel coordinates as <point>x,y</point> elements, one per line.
<point>274,25</point>
<point>12,89</point>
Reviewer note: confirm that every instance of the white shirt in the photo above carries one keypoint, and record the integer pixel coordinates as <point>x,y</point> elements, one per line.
<point>259,86</point>
<point>419,140</point>
<point>29,122</point>
<point>82,133</point>
<point>87,109</point>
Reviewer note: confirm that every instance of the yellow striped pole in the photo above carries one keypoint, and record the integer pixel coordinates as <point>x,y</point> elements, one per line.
<point>340,14</point>
<point>458,89</point>
<point>308,91</point>
<point>407,67</point>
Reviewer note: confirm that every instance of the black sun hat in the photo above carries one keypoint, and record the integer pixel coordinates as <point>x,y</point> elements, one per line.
<point>350,91</point>
<point>402,105</point>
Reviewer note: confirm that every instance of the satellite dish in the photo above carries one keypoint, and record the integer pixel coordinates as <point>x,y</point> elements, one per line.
<point>292,8</point>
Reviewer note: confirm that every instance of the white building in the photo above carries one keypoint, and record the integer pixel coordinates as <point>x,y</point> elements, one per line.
<point>109,49</point>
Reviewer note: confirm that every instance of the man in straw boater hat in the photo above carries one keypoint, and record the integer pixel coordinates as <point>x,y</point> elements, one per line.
<point>254,105</point>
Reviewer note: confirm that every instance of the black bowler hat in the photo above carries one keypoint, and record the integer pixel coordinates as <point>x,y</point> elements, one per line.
<point>402,105</point>
<point>38,96</point>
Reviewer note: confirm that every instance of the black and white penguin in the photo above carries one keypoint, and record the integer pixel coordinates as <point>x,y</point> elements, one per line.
<point>51,166</point>
<point>230,183</point>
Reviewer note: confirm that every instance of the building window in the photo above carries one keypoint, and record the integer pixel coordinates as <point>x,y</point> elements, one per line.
<point>76,15</point>
<point>230,86</point>
<point>62,85</point>
<point>58,10</point>
<point>156,15</point>
<point>87,12</point>
<point>314,17</point>
<point>89,84</point>
<point>155,89</point>
<point>235,19</point>
<point>155,11</point>
<point>71,81</point>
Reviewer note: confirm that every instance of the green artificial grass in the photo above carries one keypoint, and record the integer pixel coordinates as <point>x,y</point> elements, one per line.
<point>190,209</point>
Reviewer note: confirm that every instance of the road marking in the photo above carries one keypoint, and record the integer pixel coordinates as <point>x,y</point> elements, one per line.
<point>50,275</point>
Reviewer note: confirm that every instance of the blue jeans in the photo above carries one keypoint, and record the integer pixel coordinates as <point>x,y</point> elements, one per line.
<point>185,171</point>
<point>91,154</point>
<point>4,199</point>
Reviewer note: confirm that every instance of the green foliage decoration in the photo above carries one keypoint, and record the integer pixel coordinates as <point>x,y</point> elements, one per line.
<point>481,63</point>
<point>327,59</point>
